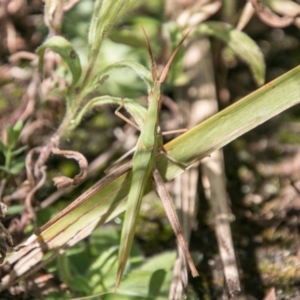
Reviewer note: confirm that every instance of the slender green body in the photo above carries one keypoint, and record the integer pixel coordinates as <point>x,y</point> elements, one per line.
<point>143,164</point>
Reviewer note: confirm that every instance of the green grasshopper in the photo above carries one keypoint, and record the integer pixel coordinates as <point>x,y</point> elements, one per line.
<point>143,165</point>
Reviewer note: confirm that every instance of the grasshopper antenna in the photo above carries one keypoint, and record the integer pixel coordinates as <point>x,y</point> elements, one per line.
<point>153,67</point>
<point>167,66</point>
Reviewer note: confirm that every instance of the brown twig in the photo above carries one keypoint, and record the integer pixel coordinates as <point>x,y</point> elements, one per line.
<point>30,166</point>
<point>16,57</point>
<point>28,200</point>
<point>2,186</point>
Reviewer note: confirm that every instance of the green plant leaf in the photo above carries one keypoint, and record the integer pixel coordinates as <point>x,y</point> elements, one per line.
<point>65,49</point>
<point>19,150</point>
<point>3,148</point>
<point>139,69</point>
<point>60,296</point>
<point>4,169</point>
<point>133,107</point>
<point>68,274</point>
<point>17,128</point>
<point>15,209</point>
<point>16,167</point>
<point>106,14</point>
<point>153,278</point>
<point>239,42</point>
<point>11,141</point>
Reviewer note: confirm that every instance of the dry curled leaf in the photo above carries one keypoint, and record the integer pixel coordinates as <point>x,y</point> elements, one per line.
<point>269,17</point>
<point>63,181</point>
<point>196,14</point>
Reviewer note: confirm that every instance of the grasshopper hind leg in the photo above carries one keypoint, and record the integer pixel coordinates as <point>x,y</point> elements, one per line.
<point>173,160</point>
<point>121,116</point>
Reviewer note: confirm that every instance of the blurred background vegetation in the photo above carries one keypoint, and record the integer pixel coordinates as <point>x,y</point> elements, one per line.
<point>261,167</point>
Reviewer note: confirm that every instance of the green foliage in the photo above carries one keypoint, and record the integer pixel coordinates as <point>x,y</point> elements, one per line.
<point>134,108</point>
<point>91,270</point>
<point>61,46</point>
<point>105,15</point>
<point>12,164</point>
<point>140,71</point>
<point>239,42</point>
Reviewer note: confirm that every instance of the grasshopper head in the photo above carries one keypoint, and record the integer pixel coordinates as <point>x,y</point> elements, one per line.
<point>167,66</point>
